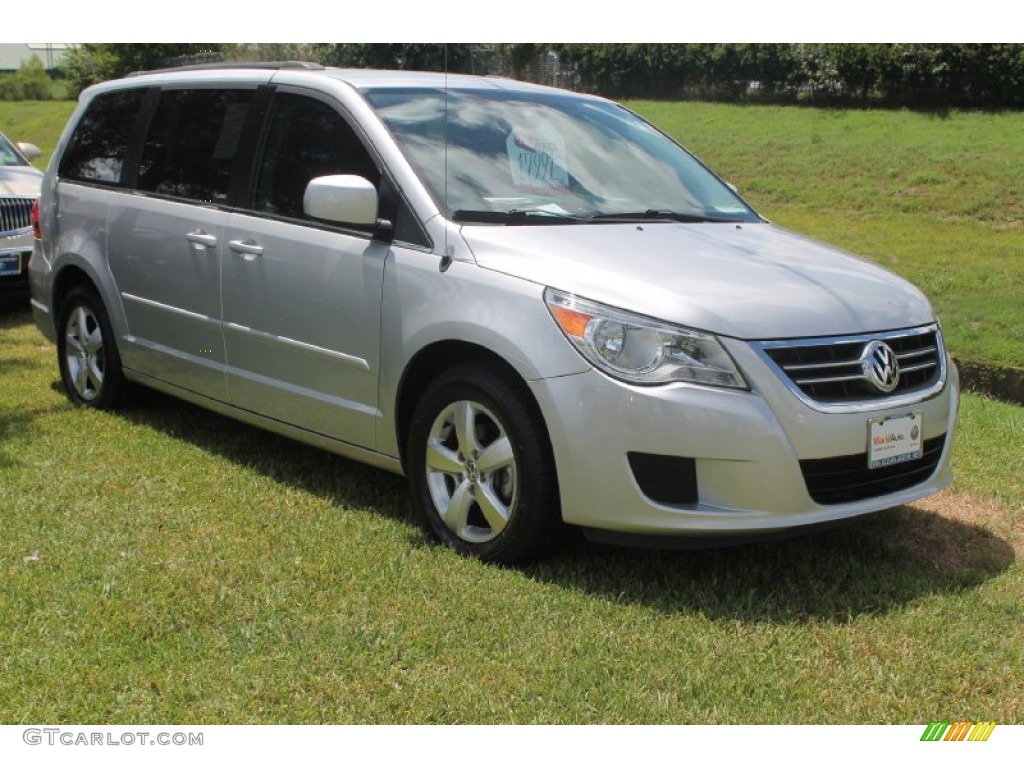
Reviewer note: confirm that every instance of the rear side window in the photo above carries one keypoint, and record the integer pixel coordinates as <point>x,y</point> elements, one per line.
<point>307,138</point>
<point>193,139</point>
<point>98,147</point>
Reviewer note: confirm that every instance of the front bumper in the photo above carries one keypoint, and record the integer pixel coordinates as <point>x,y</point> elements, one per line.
<point>746,448</point>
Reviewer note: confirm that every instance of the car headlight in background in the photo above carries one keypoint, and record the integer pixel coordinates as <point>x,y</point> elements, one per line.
<point>641,350</point>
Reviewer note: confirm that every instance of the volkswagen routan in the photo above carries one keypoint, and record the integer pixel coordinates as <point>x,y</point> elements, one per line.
<point>534,304</point>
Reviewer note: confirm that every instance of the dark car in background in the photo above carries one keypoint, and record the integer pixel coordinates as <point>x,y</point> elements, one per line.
<point>19,188</point>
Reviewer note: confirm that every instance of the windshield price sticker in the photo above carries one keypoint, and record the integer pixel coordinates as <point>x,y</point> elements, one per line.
<point>894,440</point>
<point>537,158</point>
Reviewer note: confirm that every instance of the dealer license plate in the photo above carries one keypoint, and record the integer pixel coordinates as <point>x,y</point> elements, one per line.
<point>10,265</point>
<point>894,440</point>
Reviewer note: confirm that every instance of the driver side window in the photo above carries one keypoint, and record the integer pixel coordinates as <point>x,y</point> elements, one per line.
<point>307,138</point>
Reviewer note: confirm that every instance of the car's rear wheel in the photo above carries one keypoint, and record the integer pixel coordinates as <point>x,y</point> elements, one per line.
<point>90,366</point>
<point>480,467</point>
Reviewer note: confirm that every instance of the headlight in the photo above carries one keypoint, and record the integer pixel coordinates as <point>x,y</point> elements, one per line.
<point>640,350</point>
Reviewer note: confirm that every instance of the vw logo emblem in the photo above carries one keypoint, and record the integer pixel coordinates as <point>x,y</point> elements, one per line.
<point>880,366</point>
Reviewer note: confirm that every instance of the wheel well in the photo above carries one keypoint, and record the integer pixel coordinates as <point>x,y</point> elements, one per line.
<point>432,361</point>
<point>66,280</point>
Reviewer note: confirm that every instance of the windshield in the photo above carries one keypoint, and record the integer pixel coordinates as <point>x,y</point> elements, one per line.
<point>486,154</point>
<point>8,154</point>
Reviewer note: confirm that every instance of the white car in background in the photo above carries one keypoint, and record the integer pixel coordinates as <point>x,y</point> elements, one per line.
<point>19,188</point>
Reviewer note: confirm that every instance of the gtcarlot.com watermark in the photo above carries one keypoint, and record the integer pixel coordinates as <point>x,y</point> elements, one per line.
<point>71,737</point>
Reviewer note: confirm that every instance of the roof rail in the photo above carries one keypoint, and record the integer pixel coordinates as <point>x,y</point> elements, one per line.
<point>310,65</point>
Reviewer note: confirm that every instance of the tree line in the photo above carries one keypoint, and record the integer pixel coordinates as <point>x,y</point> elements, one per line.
<point>917,76</point>
<point>912,75</point>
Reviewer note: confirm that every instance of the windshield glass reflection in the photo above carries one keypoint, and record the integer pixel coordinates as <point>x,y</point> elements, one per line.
<point>545,156</point>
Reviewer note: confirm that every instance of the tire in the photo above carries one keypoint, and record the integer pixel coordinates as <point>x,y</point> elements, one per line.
<point>481,469</point>
<point>90,366</point>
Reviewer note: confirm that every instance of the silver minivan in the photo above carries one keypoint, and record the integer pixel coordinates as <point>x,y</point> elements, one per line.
<point>534,304</point>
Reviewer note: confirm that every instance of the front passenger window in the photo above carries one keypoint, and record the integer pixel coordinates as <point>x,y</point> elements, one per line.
<point>307,138</point>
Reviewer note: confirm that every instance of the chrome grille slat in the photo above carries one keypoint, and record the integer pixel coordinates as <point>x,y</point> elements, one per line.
<point>918,367</point>
<point>816,366</point>
<point>829,379</point>
<point>15,214</point>
<point>916,353</point>
<point>828,373</point>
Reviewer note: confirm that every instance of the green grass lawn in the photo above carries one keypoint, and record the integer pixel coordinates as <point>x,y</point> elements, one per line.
<point>37,122</point>
<point>162,564</point>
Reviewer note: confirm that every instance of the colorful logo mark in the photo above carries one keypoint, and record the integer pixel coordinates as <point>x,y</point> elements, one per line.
<point>961,730</point>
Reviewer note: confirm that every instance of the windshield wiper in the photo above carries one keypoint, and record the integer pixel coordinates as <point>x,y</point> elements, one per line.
<point>660,213</point>
<point>515,216</point>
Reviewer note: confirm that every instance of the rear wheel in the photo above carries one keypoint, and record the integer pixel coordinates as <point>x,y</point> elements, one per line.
<point>90,366</point>
<point>480,467</point>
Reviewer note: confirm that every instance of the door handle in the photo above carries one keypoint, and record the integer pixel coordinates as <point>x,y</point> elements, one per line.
<point>201,240</point>
<point>249,249</point>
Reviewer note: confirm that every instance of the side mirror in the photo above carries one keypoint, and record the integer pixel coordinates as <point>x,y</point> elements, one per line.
<point>30,151</point>
<point>344,199</point>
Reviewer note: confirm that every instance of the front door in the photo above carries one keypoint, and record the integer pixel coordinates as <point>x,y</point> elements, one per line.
<point>301,297</point>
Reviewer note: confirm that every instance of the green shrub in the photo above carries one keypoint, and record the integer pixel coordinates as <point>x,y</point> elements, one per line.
<point>31,83</point>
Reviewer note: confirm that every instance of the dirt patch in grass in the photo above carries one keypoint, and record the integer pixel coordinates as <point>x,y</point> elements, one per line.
<point>987,532</point>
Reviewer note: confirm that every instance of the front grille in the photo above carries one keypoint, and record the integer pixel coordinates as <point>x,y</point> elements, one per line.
<point>843,479</point>
<point>831,370</point>
<point>15,214</point>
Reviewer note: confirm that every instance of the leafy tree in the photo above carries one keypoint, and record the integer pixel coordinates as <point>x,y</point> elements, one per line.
<point>274,52</point>
<point>95,62</point>
<point>430,57</point>
<point>85,65</point>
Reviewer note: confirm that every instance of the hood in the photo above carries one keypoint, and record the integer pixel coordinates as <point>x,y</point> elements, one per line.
<point>748,281</point>
<point>20,181</point>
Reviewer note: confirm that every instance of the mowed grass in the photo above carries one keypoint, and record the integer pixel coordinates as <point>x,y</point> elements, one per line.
<point>162,564</point>
<point>37,122</point>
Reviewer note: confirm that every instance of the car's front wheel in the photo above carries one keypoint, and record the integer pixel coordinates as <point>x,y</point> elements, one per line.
<point>480,467</point>
<point>90,366</point>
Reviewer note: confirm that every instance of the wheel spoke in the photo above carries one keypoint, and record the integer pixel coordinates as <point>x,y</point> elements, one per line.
<point>457,513</point>
<point>496,455</point>
<point>81,374</point>
<point>465,427</point>
<point>81,323</point>
<point>74,332</point>
<point>441,459</point>
<point>495,512</point>
<point>95,374</point>
<point>94,341</point>
<point>73,344</point>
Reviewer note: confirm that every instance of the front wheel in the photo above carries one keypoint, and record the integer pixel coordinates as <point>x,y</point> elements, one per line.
<point>481,469</point>
<point>90,366</point>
